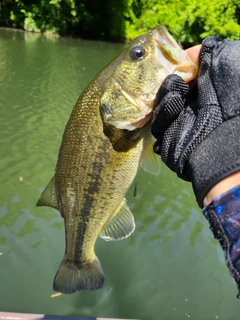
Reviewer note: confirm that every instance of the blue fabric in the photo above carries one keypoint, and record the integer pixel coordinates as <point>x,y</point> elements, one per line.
<point>227,208</point>
<point>223,214</point>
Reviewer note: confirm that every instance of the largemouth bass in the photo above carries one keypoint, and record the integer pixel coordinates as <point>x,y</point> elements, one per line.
<point>105,141</point>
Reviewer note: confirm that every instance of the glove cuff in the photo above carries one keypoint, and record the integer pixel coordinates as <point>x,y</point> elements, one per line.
<point>217,157</point>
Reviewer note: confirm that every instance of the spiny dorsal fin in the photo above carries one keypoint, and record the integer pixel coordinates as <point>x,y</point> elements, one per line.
<point>151,162</point>
<point>121,225</point>
<point>48,197</point>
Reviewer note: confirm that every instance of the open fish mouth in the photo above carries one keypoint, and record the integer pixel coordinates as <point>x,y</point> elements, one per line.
<point>172,56</point>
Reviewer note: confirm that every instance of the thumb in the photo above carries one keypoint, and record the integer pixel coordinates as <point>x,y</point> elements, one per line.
<point>193,52</point>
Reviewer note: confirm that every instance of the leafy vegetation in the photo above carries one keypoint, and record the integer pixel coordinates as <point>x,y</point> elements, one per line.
<point>189,21</point>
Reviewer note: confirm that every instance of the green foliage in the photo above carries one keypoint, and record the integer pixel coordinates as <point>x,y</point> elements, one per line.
<point>189,21</point>
<point>101,19</point>
<point>39,15</point>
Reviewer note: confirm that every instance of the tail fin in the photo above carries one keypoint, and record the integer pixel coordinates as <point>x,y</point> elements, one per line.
<point>72,277</point>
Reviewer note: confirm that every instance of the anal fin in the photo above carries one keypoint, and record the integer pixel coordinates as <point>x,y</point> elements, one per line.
<point>121,225</point>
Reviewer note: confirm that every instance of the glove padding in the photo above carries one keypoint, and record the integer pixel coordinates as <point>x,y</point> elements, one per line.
<point>198,131</point>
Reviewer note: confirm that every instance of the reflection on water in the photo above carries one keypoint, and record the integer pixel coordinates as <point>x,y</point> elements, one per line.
<point>170,268</point>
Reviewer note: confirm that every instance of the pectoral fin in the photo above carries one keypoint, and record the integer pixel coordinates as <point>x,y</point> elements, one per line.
<point>121,225</point>
<point>151,162</point>
<point>48,197</point>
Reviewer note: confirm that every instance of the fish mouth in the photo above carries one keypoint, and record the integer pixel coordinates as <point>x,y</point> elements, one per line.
<point>165,41</point>
<point>171,56</point>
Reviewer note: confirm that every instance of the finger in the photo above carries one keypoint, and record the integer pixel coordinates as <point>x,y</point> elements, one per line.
<point>173,83</point>
<point>193,52</point>
<point>166,112</point>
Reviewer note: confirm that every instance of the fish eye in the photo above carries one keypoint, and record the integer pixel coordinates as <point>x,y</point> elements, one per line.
<point>137,53</point>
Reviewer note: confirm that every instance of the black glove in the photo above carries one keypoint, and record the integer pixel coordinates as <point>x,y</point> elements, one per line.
<point>198,131</point>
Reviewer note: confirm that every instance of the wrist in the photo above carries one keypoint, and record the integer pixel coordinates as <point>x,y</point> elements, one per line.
<point>221,187</point>
<point>216,158</point>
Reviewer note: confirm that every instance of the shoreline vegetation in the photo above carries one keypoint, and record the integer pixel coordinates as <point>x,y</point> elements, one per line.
<point>189,21</point>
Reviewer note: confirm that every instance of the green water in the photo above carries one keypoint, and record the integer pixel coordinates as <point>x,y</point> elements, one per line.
<point>170,268</point>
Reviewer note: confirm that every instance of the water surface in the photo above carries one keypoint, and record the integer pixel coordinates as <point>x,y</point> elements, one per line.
<point>170,268</point>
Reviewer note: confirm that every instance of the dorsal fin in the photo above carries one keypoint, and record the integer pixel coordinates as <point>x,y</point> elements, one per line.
<point>48,196</point>
<point>151,162</point>
<point>121,225</point>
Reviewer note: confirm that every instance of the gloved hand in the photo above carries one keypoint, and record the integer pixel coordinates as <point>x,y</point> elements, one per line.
<point>198,131</point>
